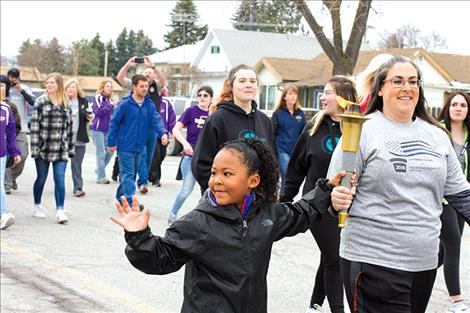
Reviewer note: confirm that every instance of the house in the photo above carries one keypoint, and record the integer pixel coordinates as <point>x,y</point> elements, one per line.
<point>175,64</point>
<point>34,79</point>
<point>223,49</point>
<point>442,73</point>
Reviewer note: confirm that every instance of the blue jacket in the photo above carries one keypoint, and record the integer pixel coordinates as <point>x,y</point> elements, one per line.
<point>131,125</point>
<point>287,128</point>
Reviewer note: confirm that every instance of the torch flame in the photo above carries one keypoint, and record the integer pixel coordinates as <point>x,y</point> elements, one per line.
<point>343,103</point>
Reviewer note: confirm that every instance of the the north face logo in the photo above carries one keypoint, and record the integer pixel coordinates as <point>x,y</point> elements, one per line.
<point>267,222</point>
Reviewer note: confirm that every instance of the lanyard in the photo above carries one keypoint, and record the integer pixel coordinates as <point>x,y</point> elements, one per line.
<point>464,147</point>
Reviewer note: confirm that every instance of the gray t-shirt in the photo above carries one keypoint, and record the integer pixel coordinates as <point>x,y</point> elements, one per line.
<point>23,106</point>
<point>404,172</point>
<point>75,118</point>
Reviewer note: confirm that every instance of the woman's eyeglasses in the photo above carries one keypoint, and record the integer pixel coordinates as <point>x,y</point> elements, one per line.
<point>203,95</point>
<point>400,83</point>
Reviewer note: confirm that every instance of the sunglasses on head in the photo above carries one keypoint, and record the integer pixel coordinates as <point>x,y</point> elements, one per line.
<point>204,95</point>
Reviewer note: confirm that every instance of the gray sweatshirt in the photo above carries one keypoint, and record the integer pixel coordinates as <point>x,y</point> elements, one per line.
<point>404,172</point>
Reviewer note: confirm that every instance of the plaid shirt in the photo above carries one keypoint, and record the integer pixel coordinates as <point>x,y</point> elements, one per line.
<point>51,131</point>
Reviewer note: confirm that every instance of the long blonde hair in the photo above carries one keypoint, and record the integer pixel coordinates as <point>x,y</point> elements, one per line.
<point>282,102</point>
<point>73,80</point>
<point>365,79</point>
<point>344,87</point>
<point>61,96</point>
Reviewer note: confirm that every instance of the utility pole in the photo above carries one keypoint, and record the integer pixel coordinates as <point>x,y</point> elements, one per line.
<point>106,63</point>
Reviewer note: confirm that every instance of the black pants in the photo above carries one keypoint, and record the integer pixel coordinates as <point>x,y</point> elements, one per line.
<point>155,171</point>
<point>377,289</point>
<point>449,249</point>
<point>328,278</point>
<point>116,168</point>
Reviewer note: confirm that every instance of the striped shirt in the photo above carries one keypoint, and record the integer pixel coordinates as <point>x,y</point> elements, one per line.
<point>51,131</point>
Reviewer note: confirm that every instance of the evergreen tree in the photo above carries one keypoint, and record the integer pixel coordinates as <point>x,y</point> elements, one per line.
<point>246,16</point>
<point>98,45</point>
<point>122,52</point>
<point>131,44</point>
<point>183,23</point>
<point>86,59</point>
<point>144,44</point>
<point>277,16</point>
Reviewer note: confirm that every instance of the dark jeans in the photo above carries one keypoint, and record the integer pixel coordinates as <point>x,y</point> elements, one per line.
<point>155,172</point>
<point>449,249</point>
<point>13,172</point>
<point>76,166</point>
<point>42,169</point>
<point>328,278</point>
<point>377,289</point>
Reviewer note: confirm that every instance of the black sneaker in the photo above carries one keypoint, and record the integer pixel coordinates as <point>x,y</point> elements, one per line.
<point>156,184</point>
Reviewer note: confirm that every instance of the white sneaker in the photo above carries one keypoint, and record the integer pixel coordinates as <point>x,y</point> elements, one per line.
<point>7,220</point>
<point>458,307</point>
<point>61,217</point>
<point>39,211</point>
<point>316,308</point>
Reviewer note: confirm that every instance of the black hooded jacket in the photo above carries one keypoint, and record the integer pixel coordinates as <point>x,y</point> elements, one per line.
<point>228,122</point>
<point>226,257</point>
<point>310,158</point>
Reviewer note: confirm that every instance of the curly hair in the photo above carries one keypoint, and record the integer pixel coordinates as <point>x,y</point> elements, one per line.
<point>259,158</point>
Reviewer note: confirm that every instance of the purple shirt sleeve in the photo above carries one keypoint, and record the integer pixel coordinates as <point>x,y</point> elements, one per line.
<point>11,136</point>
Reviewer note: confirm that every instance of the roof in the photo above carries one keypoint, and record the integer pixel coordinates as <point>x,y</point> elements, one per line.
<point>247,47</point>
<point>179,55</point>
<point>451,66</point>
<point>287,69</point>
<point>27,73</point>
<point>88,83</point>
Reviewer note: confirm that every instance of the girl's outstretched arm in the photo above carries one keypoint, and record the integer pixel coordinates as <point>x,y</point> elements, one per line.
<point>146,252</point>
<point>298,216</point>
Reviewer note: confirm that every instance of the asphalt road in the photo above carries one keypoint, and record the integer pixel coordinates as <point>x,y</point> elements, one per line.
<point>81,267</point>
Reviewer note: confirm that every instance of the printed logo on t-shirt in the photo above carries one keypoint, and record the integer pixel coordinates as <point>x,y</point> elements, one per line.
<point>200,121</point>
<point>413,156</point>
<point>327,145</point>
<point>248,133</point>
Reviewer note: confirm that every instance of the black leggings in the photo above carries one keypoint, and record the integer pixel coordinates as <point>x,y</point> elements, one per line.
<point>328,278</point>
<point>449,249</point>
<point>377,289</point>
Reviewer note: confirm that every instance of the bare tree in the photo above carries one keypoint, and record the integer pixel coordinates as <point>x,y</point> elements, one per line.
<point>409,36</point>
<point>343,61</point>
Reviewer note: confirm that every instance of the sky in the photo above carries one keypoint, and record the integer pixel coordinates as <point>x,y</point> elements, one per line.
<point>74,20</point>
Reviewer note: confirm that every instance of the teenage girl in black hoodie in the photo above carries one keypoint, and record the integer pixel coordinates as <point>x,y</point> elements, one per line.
<point>235,117</point>
<point>310,160</point>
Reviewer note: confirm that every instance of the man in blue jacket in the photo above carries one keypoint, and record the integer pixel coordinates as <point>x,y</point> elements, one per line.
<point>129,129</point>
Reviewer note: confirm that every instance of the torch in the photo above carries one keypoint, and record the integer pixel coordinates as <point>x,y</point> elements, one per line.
<point>351,125</point>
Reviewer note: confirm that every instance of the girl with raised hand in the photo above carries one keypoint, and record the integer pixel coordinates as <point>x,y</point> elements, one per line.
<point>226,240</point>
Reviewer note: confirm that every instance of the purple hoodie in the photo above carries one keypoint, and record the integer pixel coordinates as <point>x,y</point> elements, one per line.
<point>168,114</point>
<point>7,132</point>
<point>103,110</point>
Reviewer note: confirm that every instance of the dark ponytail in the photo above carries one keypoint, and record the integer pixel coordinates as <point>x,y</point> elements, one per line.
<point>258,157</point>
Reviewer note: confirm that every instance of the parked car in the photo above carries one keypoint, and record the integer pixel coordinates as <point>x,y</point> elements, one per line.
<point>179,105</point>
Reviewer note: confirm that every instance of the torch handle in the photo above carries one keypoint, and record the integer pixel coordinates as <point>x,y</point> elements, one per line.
<point>343,214</point>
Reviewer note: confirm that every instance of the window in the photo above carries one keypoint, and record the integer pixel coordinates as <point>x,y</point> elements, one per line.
<point>215,49</point>
<point>267,98</point>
